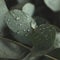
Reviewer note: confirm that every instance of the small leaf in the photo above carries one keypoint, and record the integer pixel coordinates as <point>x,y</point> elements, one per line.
<point>29,9</point>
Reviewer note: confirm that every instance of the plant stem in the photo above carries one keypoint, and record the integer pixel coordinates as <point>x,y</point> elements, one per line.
<point>50,57</point>
<point>16,42</point>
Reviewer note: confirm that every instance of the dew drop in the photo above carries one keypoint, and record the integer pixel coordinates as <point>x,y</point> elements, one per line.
<point>33,25</point>
<point>20,24</point>
<point>28,30</point>
<point>17,18</point>
<point>24,30</point>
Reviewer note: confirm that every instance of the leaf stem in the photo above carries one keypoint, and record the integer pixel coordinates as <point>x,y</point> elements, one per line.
<point>53,58</point>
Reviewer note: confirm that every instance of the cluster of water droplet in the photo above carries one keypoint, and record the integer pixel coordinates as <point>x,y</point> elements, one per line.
<point>20,23</point>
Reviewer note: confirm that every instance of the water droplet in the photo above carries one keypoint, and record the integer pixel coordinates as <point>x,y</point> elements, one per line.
<point>24,30</point>
<point>28,30</point>
<point>13,14</point>
<point>17,18</point>
<point>33,25</point>
<point>20,24</point>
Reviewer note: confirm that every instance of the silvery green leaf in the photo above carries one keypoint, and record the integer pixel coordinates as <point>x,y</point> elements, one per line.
<point>54,5</point>
<point>20,25</point>
<point>11,50</point>
<point>3,10</point>
<point>28,8</point>
<point>57,41</point>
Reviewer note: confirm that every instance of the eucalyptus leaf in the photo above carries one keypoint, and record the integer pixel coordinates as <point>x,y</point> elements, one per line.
<point>11,50</point>
<point>29,9</point>
<point>54,5</point>
<point>57,42</point>
<point>43,38</point>
<point>20,25</point>
<point>3,10</point>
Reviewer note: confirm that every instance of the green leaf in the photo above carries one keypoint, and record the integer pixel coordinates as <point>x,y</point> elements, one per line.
<point>20,25</point>
<point>43,38</point>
